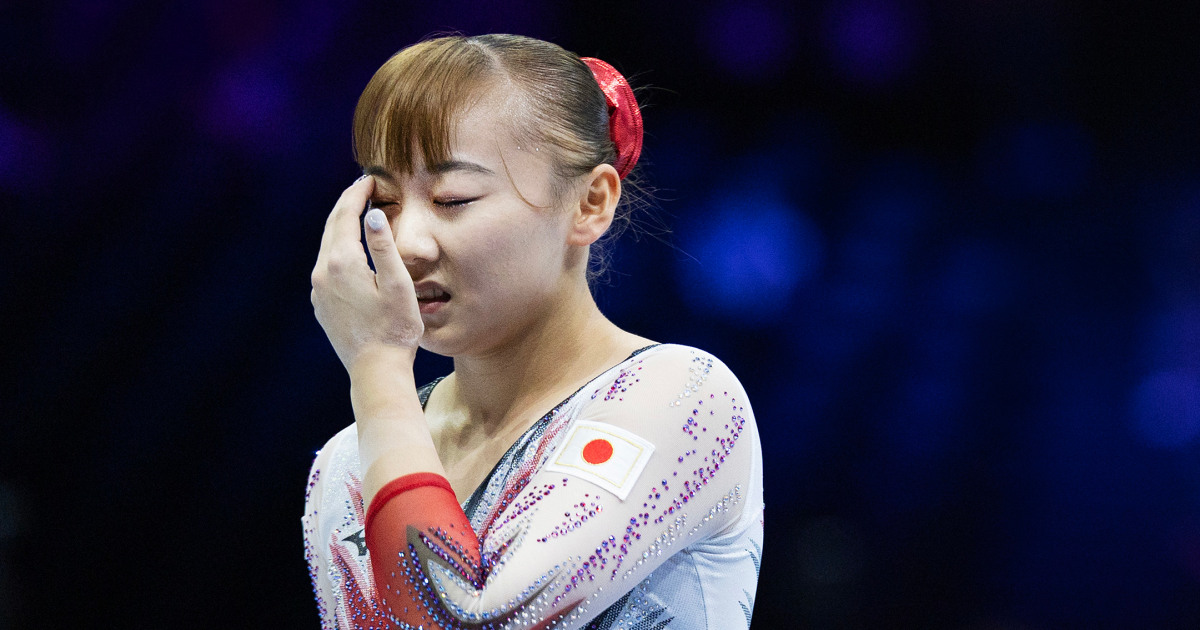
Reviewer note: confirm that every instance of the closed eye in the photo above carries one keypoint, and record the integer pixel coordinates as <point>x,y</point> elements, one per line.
<point>453,203</point>
<point>380,204</point>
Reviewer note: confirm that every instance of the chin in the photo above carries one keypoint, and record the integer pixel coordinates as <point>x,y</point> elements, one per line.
<point>457,341</point>
<point>445,342</point>
<point>436,347</point>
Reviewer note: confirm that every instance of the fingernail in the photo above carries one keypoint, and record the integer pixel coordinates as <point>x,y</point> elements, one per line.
<point>375,219</point>
<point>360,178</point>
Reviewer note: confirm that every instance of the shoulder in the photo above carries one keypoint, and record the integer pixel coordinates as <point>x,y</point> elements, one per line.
<point>662,381</point>
<point>348,435</point>
<point>679,369</point>
<point>682,413</point>
<point>318,474</point>
<point>667,354</point>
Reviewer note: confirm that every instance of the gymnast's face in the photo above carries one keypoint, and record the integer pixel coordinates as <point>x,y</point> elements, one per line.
<point>480,234</point>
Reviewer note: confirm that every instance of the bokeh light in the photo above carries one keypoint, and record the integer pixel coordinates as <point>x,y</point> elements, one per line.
<point>950,249</point>
<point>978,277</point>
<point>24,156</point>
<point>1037,160</point>
<point>872,42</point>
<point>249,105</point>
<point>1166,409</point>
<point>748,252</point>
<point>749,40</point>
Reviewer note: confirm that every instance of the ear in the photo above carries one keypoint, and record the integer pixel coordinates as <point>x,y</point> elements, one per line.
<point>596,207</point>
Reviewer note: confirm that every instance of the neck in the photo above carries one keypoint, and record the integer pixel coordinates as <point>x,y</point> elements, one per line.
<point>518,380</point>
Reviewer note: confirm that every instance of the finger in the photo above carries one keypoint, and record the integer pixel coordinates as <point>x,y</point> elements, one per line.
<point>342,227</point>
<point>389,268</point>
<point>353,199</point>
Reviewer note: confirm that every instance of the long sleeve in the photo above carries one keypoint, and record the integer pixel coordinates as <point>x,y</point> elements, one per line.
<point>656,456</point>
<point>318,565</point>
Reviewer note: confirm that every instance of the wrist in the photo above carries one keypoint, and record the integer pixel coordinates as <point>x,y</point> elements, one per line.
<point>382,362</point>
<point>382,386</point>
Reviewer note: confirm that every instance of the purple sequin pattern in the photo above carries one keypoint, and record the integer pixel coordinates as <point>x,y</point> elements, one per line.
<point>582,511</point>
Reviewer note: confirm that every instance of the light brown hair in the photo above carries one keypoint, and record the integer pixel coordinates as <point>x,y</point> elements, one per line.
<point>413,100</point>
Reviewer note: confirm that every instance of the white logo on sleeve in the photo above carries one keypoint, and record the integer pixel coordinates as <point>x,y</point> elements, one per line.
<point>603,454</point>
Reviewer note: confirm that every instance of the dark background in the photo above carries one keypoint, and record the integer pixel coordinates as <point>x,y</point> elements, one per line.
<point>951,249</point>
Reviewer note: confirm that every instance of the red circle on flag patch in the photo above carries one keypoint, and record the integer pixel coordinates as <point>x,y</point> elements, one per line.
<point>597,451</point>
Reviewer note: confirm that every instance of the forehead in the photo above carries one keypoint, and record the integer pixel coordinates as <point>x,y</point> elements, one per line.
<point>403,141</point>
<point>489,121</point>
<point>484,139</point>
<point>408,109</point>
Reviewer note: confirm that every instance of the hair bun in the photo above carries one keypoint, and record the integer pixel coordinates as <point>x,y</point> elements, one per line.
<point>624,116</point>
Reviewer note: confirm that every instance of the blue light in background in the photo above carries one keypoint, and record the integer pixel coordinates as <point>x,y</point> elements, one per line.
<point>1170,339</point>
<point>895,199</point>
<point>1166,409</point>
<point>798,161</point>
<point>250,106</point>
<point>926,419</point>
<point>979,276</point>
<point>1037,160</point>
<point>871,42</point>
<point>312,28</point>
<point>241,26</point>
<point>681,150</point>
<point>924,423</point>
<point>80,28</point>
<point>752,250</point>
<point>750,40</point>
<point>1187,546</point>
<point>536,18</point>
<point>24,155</point>
<point>889,211</point>
<point>631,279</point>
<point>1173,230</point>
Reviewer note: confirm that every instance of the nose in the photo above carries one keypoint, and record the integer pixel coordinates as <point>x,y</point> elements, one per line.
<point>413,229</point>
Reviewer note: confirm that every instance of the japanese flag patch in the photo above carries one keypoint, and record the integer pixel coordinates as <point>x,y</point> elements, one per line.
<point>603,454</point>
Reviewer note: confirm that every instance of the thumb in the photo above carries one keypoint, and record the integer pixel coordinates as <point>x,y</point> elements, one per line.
<point>388,267</point>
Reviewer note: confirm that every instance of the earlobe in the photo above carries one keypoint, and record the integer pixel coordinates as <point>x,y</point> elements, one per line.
<point>597,206</point>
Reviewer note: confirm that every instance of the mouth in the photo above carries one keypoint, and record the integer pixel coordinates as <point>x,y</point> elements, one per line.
<point>431,297</point>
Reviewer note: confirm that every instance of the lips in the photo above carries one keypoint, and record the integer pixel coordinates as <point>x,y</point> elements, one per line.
<point>430,296</point>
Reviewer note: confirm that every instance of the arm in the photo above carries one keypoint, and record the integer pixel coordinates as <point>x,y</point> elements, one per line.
<point>584,529</point>
<point>567,545</point>
<point>318,571</point>
<point>374,324</point>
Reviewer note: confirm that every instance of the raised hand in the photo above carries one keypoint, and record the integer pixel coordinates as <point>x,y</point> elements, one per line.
<point>367,315</point>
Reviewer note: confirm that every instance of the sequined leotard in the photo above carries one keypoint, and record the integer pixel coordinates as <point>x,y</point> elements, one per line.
<point>635,503</point>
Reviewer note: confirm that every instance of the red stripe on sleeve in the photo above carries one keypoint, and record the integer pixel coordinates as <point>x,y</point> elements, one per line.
<point>403,484</point>
<point>414,523</point>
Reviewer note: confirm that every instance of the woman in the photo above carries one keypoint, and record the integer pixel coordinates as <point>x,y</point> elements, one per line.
<point>567,473</point>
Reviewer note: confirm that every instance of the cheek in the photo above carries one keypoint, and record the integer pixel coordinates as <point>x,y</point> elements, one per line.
<point>484,252</point>
<point>521,260</point>
<point>518,259</point>
<point>533,177</point>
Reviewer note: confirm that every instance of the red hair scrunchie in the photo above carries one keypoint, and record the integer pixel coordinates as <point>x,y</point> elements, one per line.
<point>624,117</point>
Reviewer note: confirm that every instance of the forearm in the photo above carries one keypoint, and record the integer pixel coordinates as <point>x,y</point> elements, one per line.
<point>560,546</point>
<point>393,437</point>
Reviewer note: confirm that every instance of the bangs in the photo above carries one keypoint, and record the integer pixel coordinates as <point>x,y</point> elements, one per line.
<point>413,100</point>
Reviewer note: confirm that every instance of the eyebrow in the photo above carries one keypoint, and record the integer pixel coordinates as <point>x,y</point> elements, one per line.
<point>377,171</point>
<point>437,169</point>
<point>460,165</point>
